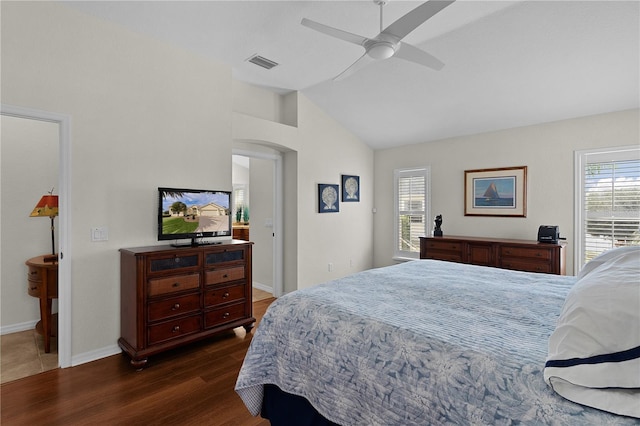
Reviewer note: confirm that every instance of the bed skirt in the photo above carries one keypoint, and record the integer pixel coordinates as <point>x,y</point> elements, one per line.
<point>284,409</point>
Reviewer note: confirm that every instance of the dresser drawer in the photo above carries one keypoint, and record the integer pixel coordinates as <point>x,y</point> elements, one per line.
<point>219,276</point>
<point>173,307</point>
<point>174,263</point>
<point>158,286</point>
<point>224,256</point>
<point>222,315</point>
<point>444,246</point>
<point>526,265</point>
<point>34,274</point>
<point>529,253</point>
<point>35,282</point>
<point>222,295</point>
<point>444,250</point>
<point>34,288</point>
<point>173,329</point>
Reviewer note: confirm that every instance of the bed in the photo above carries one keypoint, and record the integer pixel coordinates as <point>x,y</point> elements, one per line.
<point>426,342</point>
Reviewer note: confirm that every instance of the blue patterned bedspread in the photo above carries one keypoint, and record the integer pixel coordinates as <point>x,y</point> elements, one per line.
<point>420,343</point>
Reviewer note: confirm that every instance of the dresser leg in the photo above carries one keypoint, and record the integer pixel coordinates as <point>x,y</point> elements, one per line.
<point>248,327</point>
<point>139,364</point>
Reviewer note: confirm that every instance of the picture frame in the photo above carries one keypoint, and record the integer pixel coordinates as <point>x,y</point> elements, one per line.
<point>350,188</point>
<point>328,198</point>
<point>496,192</point>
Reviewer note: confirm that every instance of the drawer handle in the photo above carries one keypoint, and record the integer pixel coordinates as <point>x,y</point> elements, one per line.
<point>175,307</point>
<point>507,251</point>
<point>225,276</point>
<point>33,288</point>
<point>225,295</point>
<point>226,315</point>
<point>176,328</point>
<point>176,284</point>
<point>538,254</point>
<point>33,273</point>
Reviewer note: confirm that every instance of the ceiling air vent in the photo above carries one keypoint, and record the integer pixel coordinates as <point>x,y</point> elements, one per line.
<point>263,62</point>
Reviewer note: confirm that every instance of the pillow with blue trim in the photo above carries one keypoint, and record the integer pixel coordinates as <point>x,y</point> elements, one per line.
<point>594,351</point>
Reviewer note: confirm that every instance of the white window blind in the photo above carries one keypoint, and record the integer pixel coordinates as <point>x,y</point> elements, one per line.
<point>609,207</point>
<point>412,201</point>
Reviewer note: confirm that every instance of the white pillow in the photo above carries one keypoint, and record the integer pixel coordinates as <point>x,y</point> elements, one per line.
<point>594,351</point>
<point>605,257</point>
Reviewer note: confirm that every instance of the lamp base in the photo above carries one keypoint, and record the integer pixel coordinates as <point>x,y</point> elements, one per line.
<point>50,258</point>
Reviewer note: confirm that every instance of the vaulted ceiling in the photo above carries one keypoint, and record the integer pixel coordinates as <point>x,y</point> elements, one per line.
<point>507,63</point>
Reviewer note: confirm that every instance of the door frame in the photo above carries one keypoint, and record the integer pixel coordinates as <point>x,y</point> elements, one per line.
<point>64,220</point>
<point>278,207</point>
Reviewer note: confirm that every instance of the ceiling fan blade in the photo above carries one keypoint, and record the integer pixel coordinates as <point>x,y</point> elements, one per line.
<point>362,62</point>
<point>413,54</point>
<point>334,32</point>
<point>415,18</point>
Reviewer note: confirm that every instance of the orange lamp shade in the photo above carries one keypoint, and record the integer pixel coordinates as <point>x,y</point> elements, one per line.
<point>46,207</point>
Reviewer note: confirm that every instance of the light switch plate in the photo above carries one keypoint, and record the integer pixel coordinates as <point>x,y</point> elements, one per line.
<point>100,233</point>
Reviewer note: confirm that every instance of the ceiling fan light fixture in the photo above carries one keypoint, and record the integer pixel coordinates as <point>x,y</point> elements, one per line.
<point>381,50</point>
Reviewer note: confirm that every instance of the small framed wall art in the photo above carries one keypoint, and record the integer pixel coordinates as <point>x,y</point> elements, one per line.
<point>496,192</point>
<point>350,188</point>
<point>328,199</point>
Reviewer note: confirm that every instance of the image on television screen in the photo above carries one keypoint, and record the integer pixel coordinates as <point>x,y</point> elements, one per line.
<point>190,212</point>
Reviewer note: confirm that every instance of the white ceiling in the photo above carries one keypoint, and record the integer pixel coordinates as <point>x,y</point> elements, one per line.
<point>508,63</point>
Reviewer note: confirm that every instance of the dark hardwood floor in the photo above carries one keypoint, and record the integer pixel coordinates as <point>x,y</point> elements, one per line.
<point>193,385</point>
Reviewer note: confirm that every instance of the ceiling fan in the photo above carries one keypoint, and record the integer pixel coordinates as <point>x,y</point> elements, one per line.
<point>388,43</point>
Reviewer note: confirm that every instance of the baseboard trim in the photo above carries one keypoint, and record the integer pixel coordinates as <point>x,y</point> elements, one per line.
<point>262,287</point>
<point>95,355</point>
<point>16,328</point>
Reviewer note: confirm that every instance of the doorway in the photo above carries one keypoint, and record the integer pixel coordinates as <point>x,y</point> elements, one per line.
<point>257,181</point>
<point>20,182</point>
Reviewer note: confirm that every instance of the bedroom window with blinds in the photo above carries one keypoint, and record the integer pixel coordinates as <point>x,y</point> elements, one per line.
<point>608,201</point>
<point>412,202</point>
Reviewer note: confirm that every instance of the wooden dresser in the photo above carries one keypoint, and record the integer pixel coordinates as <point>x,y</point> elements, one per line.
<point>172,296</point>
<point>521,255</point>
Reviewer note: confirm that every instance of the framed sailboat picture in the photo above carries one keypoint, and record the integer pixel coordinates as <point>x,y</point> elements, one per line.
<point>496,192</point>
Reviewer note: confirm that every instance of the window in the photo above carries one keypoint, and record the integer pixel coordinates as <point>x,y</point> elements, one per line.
<point>607,200</point>
<point>412,202</point>
<point>240,203</point>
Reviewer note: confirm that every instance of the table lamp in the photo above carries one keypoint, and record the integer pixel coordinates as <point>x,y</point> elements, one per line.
<point>48,207</point>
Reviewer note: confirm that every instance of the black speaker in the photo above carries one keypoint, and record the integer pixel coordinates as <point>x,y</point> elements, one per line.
<point>548,234</point>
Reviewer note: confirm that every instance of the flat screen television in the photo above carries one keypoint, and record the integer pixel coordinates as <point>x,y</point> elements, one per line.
<point>203,216</point>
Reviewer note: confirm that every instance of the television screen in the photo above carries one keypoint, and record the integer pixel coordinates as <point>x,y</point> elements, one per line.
<point>194,214</point>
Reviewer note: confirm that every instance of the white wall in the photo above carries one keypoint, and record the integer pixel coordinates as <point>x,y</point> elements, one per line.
<point>143,115</point>
<point>261,103</point>
<point>317,150</point>
<point>345,238</point>
<point>546,149</point>
<point>29,169</point>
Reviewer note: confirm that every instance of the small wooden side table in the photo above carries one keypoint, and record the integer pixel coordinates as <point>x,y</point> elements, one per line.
<point>42,281</point>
